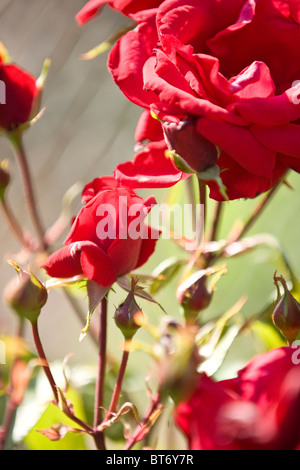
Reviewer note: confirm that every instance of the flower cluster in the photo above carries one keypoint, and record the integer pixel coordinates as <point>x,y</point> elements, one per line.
<point>225,71</point>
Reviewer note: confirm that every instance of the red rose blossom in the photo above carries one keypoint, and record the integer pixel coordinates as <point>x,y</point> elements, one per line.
<point>21,93</point>
<point>232,67</point>
<point>258,410</point>
<point>100,244</point>
<point>127,7</point>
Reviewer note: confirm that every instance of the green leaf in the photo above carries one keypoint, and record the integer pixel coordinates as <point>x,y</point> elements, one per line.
<point>51,417</point>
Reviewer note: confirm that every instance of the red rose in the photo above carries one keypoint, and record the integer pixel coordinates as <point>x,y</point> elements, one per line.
<point>20,92</point>
<point>230,67</point>
<point>108,238</point>
<point>258,410</point>
<point>127,7</point>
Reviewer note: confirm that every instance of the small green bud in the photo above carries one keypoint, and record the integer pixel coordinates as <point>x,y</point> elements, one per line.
<point>286,313</point>
<point>129,317</point>
<point>25,294</point>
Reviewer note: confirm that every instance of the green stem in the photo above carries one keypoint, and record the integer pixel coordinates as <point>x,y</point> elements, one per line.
<point>216,221</point>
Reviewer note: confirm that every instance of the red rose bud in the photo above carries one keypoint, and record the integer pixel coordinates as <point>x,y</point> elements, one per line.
<point>187,144</point>
<point>25,294</point>
<point>194,295</point>
<point>129,317</point>
<point>4,178</point>
<point>286,314</point>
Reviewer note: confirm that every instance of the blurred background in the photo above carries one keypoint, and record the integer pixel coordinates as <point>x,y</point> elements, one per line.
<point>88,127</point>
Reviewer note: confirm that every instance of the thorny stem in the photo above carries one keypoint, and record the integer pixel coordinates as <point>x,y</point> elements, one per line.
<point>45,364</point>
<point>18,146</point>
<point>99,395</point>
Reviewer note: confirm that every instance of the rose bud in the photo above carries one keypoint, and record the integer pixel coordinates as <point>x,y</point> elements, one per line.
<point>286,314</point>
<point>26,295</point>
<point>4,178</point>
<point>194,295</point>
<point>129,317</point>
<point>184,140</point>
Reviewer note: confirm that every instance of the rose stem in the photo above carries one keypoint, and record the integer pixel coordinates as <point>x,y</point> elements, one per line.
<point>18,146</point>
<point>43,359</point>
<point>13,223</point>
<point>257,211</point>
<point>118,386</point>
<point>11,405</point>
<point>146,421</point>
<point>216,221</point>
<point>203,208</point>
<point>99,396</point>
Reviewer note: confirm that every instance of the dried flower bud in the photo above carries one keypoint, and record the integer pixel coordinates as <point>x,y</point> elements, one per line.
<point>129,317</point>
<point>25,294</point>
<point>4,178</point>
<point>286,314</point>
<point>185,141</point>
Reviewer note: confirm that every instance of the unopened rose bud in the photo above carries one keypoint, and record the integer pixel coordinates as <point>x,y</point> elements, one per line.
<point>187,144</point>
<point>286,314</point>
<point>194,295</point>
<point>129,317</point>
<point>26,295</point>
<point>4,178</point>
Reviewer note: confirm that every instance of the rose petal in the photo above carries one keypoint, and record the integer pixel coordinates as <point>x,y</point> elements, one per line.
<point>240,144</point>
<point>97,265</point>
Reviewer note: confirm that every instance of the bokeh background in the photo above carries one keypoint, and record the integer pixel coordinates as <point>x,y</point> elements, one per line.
<point>88,127</point>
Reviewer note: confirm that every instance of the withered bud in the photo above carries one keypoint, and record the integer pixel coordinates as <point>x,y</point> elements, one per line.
<point>4,177</point>
<point>194,295</point>
<point>286,314</point>
<point>186,144</point>
<point>25,294</point>
<point>129,317</point>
